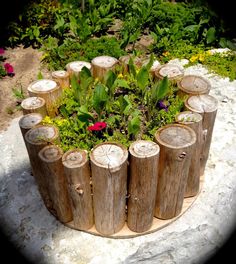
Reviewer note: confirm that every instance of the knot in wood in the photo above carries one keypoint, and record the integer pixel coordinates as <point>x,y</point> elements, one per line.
<point>78,189</point>
<point>182,156</point>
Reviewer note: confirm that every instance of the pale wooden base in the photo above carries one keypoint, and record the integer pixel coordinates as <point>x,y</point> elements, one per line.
<point>157,224</point>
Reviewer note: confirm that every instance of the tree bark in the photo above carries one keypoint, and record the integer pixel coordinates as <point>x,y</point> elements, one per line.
<point>101,65</point>
<point>77,170</point>
<point>62,78</point>
<point>51,160</point>
<point>37,138</point>
<point>109,179</point>
<point>75,67</point>
<point>176,146</point>
<point>206,105</point>
<point>50,91</point>
<point>144,157</point>
<point>34,105</point>
<point>193,85</point>
<point>194,121</point>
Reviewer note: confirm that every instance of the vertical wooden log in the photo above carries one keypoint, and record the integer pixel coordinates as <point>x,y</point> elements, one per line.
<point>172,71</point>
<point>193,85</point>
<point>77,170</point>
<point>194,121</point>
<point>101,65</point>
<point>50,91</point>
<point>29,121</point>
<point>176,146</point>
<point>144,157</point>
<point>34,105</point>
<point>206,105</point>
<point>37,138</point>
<point>109,179</point>
<point>51,160</point>
<point>62,78</point>
<point>75,67</point>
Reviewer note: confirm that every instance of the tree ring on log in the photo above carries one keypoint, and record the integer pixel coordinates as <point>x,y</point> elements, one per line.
<point>32,103</point>
<point>204,103</point>
<point>60,74</point>
<point>172,71</point>
<point>75,67</point>
<point>188,117</point>
<point>74,158</point>
<point>42,86</point>
<point>50,153</point>
<point>30,120</point>
<point>104,61</point>
<point>144,149</point>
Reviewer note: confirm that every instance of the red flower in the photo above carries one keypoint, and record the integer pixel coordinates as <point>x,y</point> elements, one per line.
<point>2,51</point>
<point>8,68</point>
<point>98,126</point>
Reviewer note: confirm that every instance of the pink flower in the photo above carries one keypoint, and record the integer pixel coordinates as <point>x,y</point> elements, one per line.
<point>8,68</point>
<point>2,51</point>
<point>97,126</point>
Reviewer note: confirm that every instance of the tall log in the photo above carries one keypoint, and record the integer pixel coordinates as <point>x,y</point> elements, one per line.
<point>109,179</point>
<point>172,71</point>
<point>144,157</point>
<point>101,65</point>
<point>77,170</point>
<point>194,121</point>
<point>34,105</point>
<point>51,160</point>
<point>50,91</point>
<point>75,67</point>
<point>62,78</point>
<point>206,105</point>
<point>176,147</point>
<point>29,121</point>
<point>193,85</point>
<point>37,138</point>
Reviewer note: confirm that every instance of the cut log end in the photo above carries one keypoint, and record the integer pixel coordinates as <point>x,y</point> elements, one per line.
<point>104,62</point>
<point>60,74</point>
<point>109,155</point>
<point>30,120</point>
<point>144,149</point>
<point>76,66</point>
<point>202,103</point>
<point>172,71</point>
<point>175,136</point>
<point>32,103</point>
<point>42,86</point>
<point>188,117</point>
<point>51,153</point>
<point>42,133</point>
<point>194,85</point>
<point>74,158</point>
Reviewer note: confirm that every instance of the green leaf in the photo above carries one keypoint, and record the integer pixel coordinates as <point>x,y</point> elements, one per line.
<point>40,75</point>
<point>75,87</point>
<point>132,69</point>
<point>150,63</point>
<point>192,28</point>
<point>100,98</point>
<point>125,104</point>
<point>134,126</point>
<point>142,78</point>
<point>211,35</point>
<point>121,83</point>
<point>159,90</point>
<point>84,115</point>
<point>110,78</point>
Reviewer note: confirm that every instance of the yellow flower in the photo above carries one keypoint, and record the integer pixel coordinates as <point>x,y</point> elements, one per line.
<point>194,58</point>
<point>166,53</point>
<point>201,57</point>
<point>120,76</point>
<point>47,120</point>
<point>44,56</point>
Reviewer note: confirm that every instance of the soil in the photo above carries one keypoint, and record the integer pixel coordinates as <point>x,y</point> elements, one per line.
<point>27,64</point>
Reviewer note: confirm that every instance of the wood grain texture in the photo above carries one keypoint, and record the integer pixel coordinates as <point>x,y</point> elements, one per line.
<point>206,105</point>
<point>109,179</point>
<point>101,65</point>
<point>176,146</point>
<point>50,91</point>
<point>194,121</point>
<point>143,171</point>
<point>51,160</point>
<point>172,71</point>
<point>34,105</point>
<point>37,138</point>
<point>77,171</point>
<point>29,121</point>
<point>62,78</point>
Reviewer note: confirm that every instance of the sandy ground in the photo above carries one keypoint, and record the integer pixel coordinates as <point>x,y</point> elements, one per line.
<point>26,63</point>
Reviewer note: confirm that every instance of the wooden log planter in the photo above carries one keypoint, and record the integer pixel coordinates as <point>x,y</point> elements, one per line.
<point>34,105</point>
<point>117,191</point>
<point>62,78</point>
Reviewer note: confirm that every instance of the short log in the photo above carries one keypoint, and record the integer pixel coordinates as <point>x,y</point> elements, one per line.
<point>193,85</point>
<point>143,171</point>
<point>176,147</point>
<point>75,67</point>
<point>37,138</point>
<point>34,105</point>
<point>172,71</point>
<point>109,180</point>
<point>50,91</point>
<point>51,160</point>
<point>101,65</point>
<point>62,78</point>
<point>29,121</point>
<point>194,121</point>
<point>206,105</point>
<point>77,170</point>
